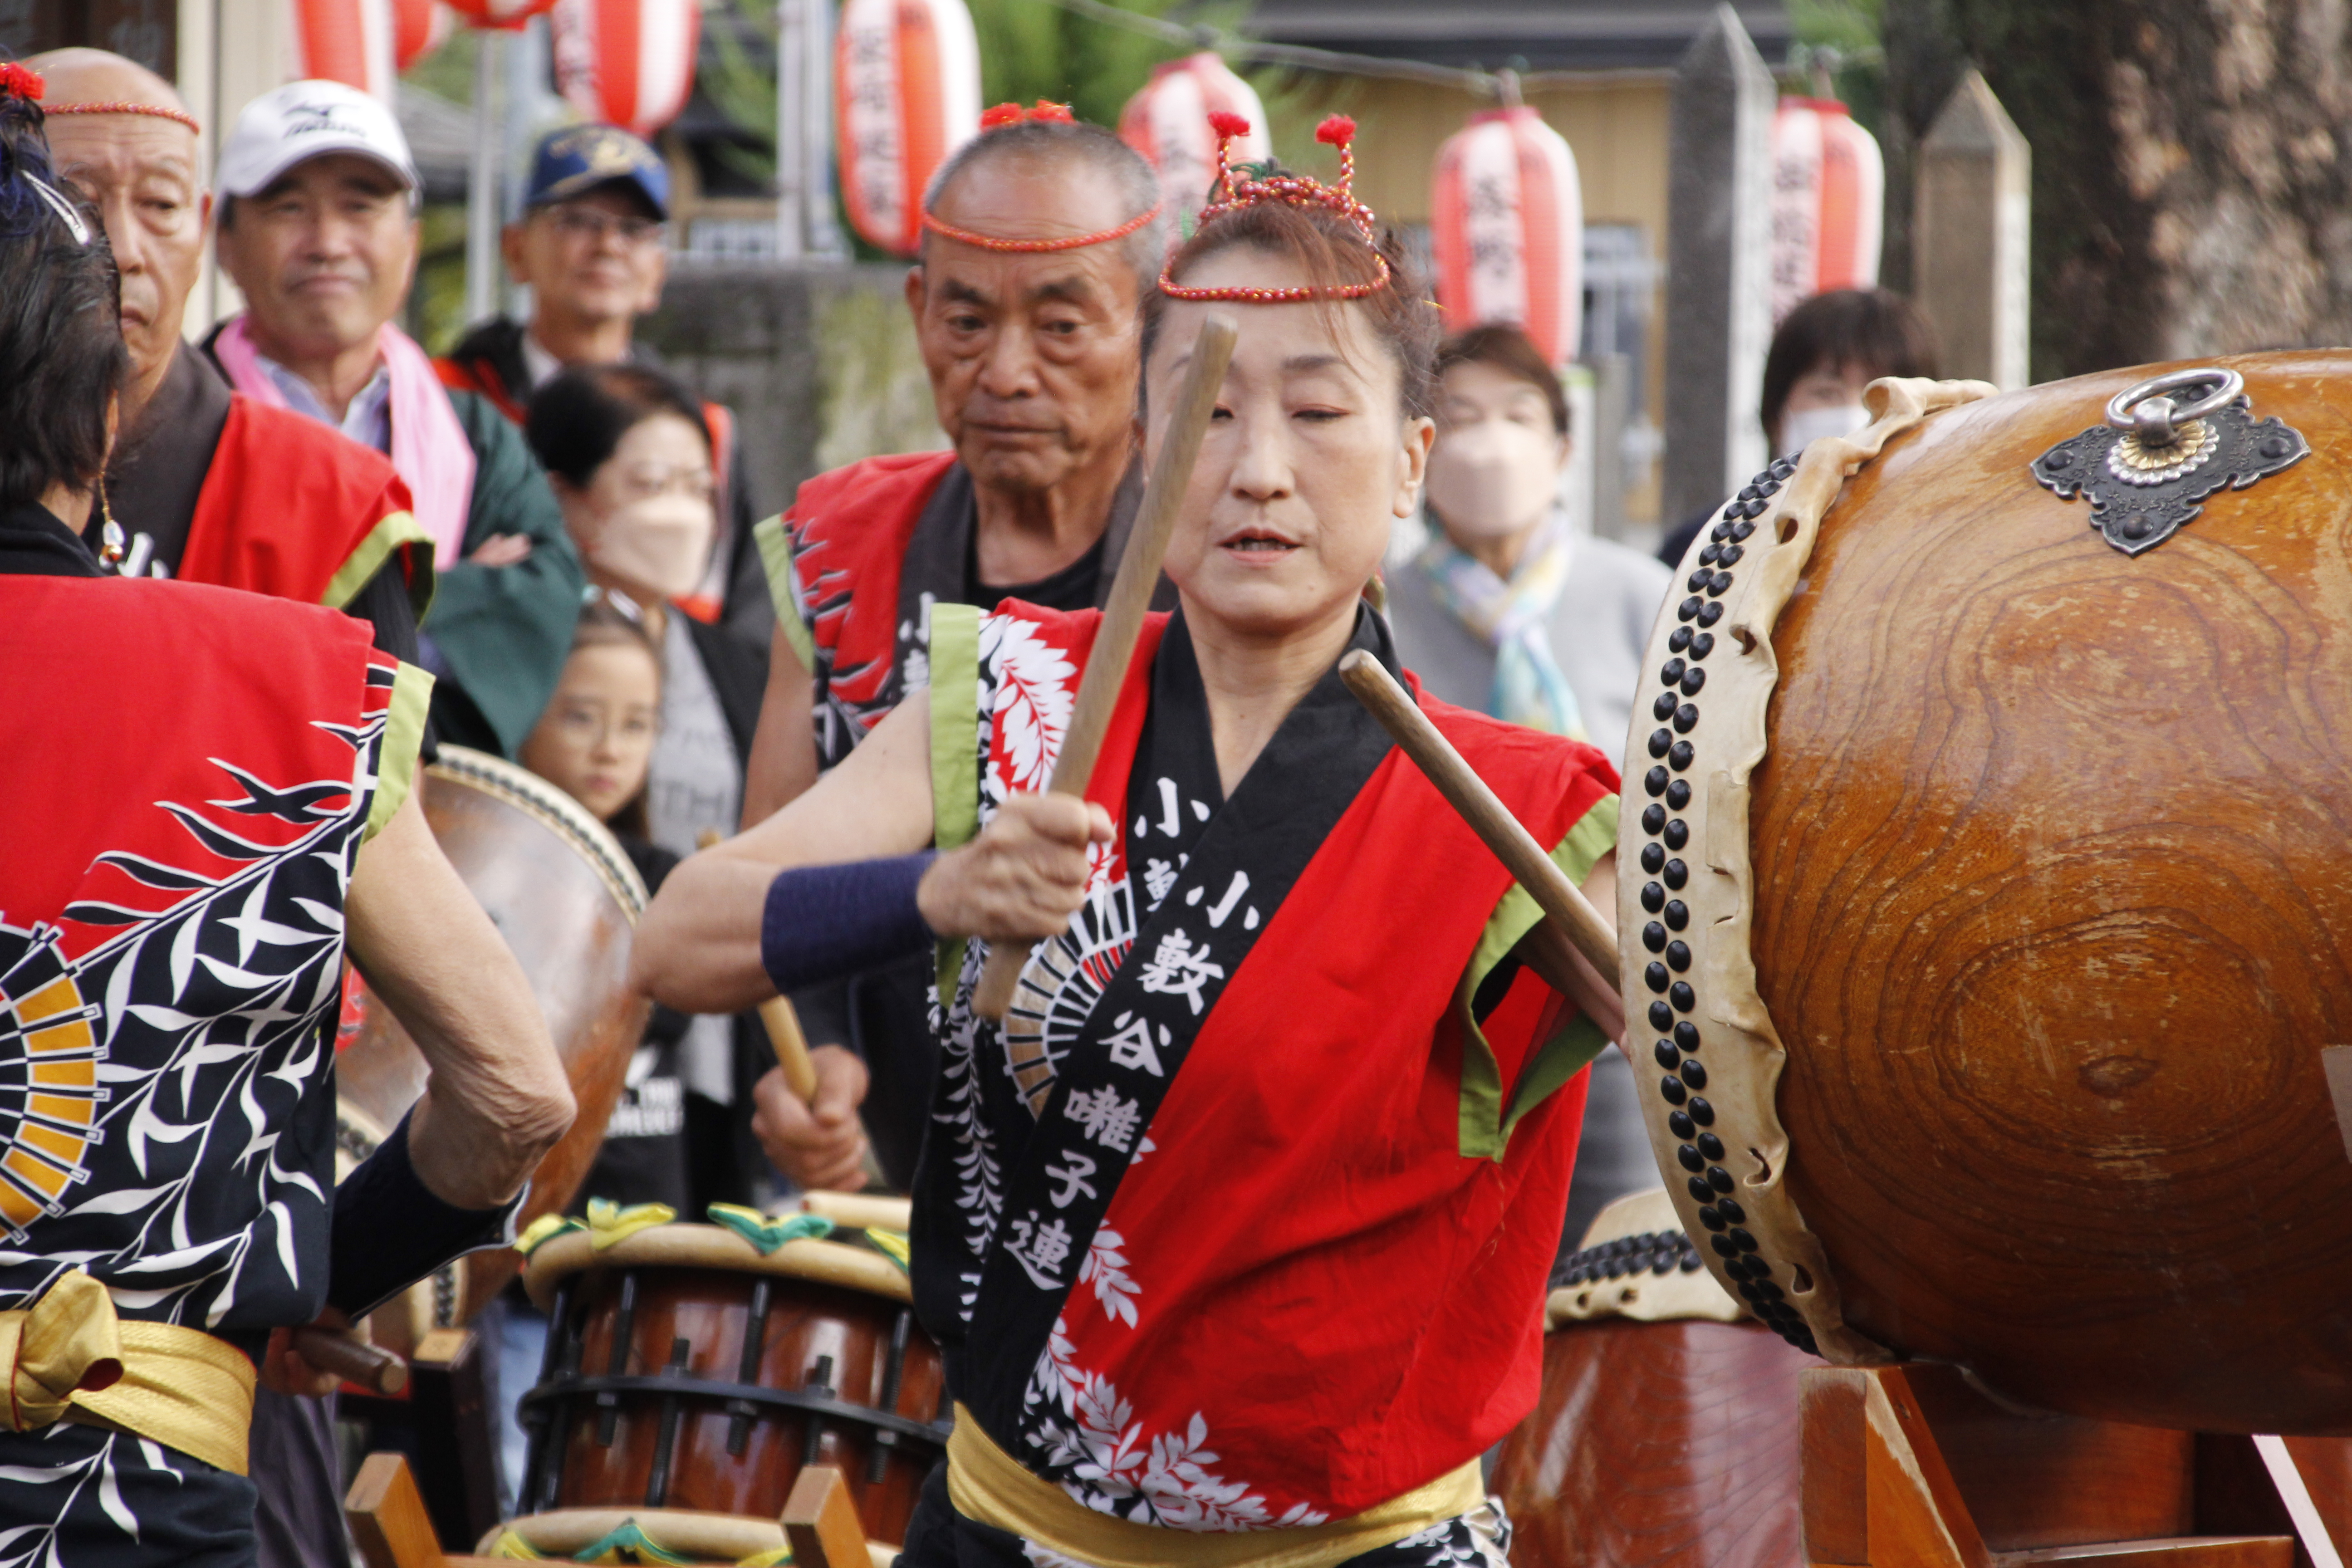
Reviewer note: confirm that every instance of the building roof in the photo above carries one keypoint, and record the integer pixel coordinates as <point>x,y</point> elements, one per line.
<point>1546,35</point>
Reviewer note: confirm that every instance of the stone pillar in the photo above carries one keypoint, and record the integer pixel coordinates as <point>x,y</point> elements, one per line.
<point>1718,268</point>
<point>1970,236</point>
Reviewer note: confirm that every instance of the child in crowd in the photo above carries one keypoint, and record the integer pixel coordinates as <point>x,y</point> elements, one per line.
<point>596,743</point>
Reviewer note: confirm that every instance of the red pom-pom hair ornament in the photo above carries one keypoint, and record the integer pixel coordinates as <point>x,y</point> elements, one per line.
<point>21,81</point>
<point>1230,194</point>
<point>997,116</point>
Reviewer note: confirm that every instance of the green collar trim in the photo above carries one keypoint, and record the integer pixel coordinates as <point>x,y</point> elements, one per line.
<point>403,736</point>
<point>396,531</point>
<point>955,747</point>
<point>776,559</point>
<point>1487,1124</point>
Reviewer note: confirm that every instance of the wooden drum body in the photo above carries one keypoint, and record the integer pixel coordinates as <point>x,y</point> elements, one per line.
<point>1666,1435</point>
<point>566,900</point>
<point>1987,892</point>
<point>687,1374</point>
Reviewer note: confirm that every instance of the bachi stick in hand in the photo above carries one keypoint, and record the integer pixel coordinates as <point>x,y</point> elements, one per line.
<point>783,1025</point>
<point>1479,806</point>
<point>1123,622</point>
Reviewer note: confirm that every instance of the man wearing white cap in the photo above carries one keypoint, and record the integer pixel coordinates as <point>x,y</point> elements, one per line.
<point>318,227</point>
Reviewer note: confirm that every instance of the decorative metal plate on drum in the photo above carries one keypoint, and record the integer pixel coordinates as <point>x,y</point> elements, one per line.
<point>1988,901</point>
<point>2150,466</point>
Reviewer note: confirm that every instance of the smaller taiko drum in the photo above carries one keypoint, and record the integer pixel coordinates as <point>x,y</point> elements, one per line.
<point>1666,1435</point>
<point>690,1377</point>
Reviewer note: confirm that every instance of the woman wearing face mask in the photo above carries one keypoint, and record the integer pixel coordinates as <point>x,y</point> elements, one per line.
<point>1824,354</point>
<point>1507,610</point>
<point>629,458</point>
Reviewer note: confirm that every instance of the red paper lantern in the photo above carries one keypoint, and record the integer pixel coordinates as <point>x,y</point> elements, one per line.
<point>626,62</point>
<point>349,41</point>
<point>905,85</point>
<point>1829,200</point>
<point>505,15</point>
<point>1506,226</point>
<point>419,27</point>
<point>1167,121</point>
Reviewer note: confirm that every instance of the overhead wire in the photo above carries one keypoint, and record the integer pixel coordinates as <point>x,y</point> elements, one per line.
<point>1500,85</point>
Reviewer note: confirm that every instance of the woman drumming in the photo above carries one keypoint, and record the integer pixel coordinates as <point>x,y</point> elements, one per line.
<point>1238,1251</point>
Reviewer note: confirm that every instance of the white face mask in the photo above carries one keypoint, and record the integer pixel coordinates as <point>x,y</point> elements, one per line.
<point>659,544</point>
<point>1494,478</point>
<point>1803,429</point>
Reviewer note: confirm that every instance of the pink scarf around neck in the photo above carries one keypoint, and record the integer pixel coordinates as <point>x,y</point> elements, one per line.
<point>429,445</point>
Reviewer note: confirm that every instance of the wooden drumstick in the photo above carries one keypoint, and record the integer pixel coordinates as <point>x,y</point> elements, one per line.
<point>783,1025</point>
<point>1123,622</point>
<point>1479,806</point>
<point>371,1367</point>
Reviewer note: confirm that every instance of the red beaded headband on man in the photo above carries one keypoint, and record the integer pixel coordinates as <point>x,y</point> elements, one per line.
<point>1048,113</point>
<point>1230,195</point>
<point>19,81</point>
<point>155,110</point>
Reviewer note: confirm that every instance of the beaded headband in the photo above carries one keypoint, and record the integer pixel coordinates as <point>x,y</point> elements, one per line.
<point>178,116</point>
<point>1046,113</point>
<point>1230,194</point>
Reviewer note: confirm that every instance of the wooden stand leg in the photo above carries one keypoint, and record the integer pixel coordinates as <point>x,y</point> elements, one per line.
<point>456,1449</point>
<point>1907,1468</point>
<point>387,1516</point>
<point>821,1523</point>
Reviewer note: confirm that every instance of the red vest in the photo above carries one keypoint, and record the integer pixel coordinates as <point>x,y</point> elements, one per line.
<point>295,509</point>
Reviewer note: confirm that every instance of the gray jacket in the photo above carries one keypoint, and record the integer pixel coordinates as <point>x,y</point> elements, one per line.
<point>1599,630</point>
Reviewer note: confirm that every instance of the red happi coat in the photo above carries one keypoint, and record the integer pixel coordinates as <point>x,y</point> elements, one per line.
<point>297,511</point>
<point>192,772</point>
<point>1318,1280</point>
<point>835,567</point>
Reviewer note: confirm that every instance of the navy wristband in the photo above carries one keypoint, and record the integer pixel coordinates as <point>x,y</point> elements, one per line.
<point>827,922</point>
<point>390,1231</point>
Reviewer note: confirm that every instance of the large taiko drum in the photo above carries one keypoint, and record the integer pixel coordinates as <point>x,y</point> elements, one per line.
<point>1666,1435</point>
<point>1987,894</point>
<point>566,900</point>
<point>690,1377</point>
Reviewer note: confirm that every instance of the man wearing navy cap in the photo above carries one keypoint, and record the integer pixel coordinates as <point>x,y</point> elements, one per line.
<point>590,247</point>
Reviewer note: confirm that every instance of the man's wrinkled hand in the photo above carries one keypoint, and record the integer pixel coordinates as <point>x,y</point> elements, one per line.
<point>821,1144</point>
<point>1023,877</point>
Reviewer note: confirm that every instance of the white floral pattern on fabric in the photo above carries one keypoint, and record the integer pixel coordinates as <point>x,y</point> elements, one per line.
<point>1095,1451</point>
<point>1479,1538</point>
<point>1106,1270</point>
<point>1035,689</point>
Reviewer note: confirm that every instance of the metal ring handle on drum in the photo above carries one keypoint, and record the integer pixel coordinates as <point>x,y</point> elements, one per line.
<point>2144,410</point>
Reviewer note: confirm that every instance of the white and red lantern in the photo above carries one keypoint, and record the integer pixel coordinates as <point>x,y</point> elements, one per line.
<point>501,15</point>
<point>419,27</point>
<point>1828,201</point>
<point>1167,120</point>
<point>907,94</point>
<point>349,41</point>
<point>1506,226</point>
<point>626,62</point>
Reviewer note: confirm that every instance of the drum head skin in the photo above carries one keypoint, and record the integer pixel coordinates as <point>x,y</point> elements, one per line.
<point>2019,916</point>
<point>566,900</point>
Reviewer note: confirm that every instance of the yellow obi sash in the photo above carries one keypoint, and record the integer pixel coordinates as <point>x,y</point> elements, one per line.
<point>68,1358</point>
<point>989,1486</point>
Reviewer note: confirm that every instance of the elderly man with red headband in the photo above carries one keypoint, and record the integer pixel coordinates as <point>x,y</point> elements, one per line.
<point>206,486</point>
<point>1043,237</point>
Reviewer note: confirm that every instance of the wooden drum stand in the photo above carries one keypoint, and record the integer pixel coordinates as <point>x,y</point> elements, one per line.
<point>1907,1466</point>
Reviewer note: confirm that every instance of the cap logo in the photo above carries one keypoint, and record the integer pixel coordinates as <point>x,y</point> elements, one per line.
<point>313,119</point>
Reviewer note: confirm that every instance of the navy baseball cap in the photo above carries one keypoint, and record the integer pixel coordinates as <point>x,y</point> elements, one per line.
<point>580,158</point>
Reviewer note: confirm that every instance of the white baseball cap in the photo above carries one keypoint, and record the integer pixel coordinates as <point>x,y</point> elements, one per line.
<point>303,119</point>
